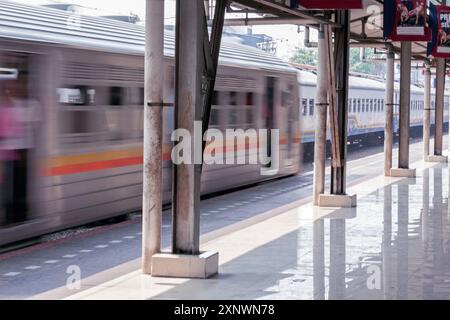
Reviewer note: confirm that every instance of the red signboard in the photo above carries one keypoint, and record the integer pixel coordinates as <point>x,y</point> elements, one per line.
<point>440,43</point>
<point>406,20</point>
<point>329,4</point>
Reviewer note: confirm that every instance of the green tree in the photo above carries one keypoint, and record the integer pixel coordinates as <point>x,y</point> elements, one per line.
<point>365,66</point>
<point>305,56</point>
<point>309,56</point>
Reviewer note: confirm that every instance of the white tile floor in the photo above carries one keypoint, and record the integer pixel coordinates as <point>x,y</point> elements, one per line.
<point>394,245</point>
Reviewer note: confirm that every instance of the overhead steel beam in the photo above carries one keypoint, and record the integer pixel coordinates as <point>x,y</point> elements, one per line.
<point>287,10</point>
<point>266,21</point>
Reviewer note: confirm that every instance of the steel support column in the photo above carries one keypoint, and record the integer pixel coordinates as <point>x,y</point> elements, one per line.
<point>153,142</point>
<point>427,112</point>
<point>188,104</point>
<point>388,128</point>
<point>320,140</point>
<point>405,88</point>
<point>211,48</point>
<point>439,108</point>
<point>341,52</point>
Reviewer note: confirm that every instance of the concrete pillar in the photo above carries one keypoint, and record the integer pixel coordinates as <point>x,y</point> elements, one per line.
<point>320,140</point>
<point>388,134</point>
<point>405,100</point>
<point>338,71</point>
<point>427,112</point>
<point>186,177</point>
<point>439,112</point>
<point>341,52</point>
<point>186,260</point>
<point>404,113</point>
<point>153,126</point>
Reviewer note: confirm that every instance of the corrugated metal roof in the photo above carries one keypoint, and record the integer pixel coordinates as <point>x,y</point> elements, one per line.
<point>43,24</point>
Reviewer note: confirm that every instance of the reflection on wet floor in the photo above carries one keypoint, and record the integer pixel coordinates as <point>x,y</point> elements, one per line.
<point>395,247</point>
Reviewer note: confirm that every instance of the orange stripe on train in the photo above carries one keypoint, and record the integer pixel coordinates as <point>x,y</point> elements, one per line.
<point>65,165</point>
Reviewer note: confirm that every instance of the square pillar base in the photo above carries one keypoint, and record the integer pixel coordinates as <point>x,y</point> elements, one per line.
<point>203,265</point>
<point>403,173</point>
<point>337,200</point>
<point>435,158</point>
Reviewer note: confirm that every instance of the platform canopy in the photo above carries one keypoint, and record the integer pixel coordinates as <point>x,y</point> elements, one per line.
<point>366,24</point>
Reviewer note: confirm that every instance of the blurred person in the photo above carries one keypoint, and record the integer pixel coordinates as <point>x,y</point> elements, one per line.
<point>26,111</point>
<point>9,130</point>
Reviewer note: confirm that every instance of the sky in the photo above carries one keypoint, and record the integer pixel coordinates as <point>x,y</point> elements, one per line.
<point>287,36</point>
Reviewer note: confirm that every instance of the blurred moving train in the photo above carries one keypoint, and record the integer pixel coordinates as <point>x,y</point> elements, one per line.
<point>79,80</point>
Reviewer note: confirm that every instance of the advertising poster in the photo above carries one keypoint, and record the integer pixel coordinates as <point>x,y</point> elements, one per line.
<point>439,46</point>
<point>406,20</point>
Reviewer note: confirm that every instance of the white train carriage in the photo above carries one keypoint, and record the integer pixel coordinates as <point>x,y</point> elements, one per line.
<point>87,79</point>
<point>366,106</point>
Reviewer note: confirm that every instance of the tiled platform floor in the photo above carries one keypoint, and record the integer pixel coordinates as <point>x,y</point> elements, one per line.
<point>394,245</point>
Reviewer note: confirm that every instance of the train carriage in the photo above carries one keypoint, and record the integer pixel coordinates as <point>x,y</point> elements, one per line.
<point>86,77</point>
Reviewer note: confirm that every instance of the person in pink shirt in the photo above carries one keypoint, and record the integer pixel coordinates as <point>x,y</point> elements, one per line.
<point>9,130</point>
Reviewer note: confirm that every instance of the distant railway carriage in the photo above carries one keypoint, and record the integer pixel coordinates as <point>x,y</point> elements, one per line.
<point>366,106</point>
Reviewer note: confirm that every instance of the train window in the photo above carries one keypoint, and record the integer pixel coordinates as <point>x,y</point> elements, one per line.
<point>311,107</point>
<point>304,107</point>
<point>115,96</point>
<point>233,98</point>
<point>249,99</point>
<point>78,96</point>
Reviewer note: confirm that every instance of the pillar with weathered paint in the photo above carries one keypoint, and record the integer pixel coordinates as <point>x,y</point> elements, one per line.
<point>341,52</point>
<point>404,110</point>
<point>388,128</point>
<point>439,106</point>
<point>153,126</point>
<point>320,140</point>
<point>188,105</point>
<point>427,111</point>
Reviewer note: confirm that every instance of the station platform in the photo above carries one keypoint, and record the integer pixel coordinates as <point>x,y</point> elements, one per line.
<point>394,245</point>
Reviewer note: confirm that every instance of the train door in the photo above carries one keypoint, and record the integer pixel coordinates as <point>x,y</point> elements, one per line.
<point>269,112</point>
<point>19,112</point>
<point>290,115</point>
